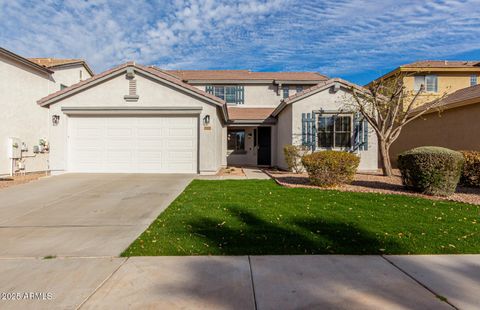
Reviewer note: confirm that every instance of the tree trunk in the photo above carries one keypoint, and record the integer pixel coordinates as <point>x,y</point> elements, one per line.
<point>385,158</point>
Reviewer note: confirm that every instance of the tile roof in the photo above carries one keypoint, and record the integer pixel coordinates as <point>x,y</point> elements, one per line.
<point>51,62</point>
<point>24,60</point>
<point>57,62</point>
<point>323,84</point>
<point>253,114</point>
<point>187,75</point>
<point>442,64</point>
<point>469,95</point>
<point>317,88</point>
<point>154,71</point>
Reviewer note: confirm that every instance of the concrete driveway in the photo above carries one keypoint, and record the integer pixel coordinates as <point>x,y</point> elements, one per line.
<point>82,214</point>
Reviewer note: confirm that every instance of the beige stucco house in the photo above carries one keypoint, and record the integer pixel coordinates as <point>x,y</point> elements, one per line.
<point>135,118</point>
<point>453,124</point>
<point>22,122</point>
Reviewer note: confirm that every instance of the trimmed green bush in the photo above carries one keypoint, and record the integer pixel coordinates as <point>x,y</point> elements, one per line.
<point>330,168</point>
<point>471,169</point>
<point>293,157</point>
<point>431,170</point>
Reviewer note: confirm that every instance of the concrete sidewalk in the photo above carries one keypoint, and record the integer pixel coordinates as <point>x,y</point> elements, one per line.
<point>246,282</point>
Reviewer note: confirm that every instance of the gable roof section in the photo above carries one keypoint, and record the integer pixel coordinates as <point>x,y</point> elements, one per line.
<point>24,61</point>
<point>316,89</point>
<point>462,97</point>
<point>151,72</point>
<point>61,62</point>
<point>245,75</point>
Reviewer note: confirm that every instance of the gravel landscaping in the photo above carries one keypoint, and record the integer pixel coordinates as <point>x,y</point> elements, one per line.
<point>374,183</point>
<point>8,181</point>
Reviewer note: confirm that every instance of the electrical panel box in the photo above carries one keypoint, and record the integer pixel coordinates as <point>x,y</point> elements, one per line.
<point>14,146</point>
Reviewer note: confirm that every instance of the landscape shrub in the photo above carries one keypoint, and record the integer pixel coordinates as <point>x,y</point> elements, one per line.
<point>471,169</point>
<point>293,157</point>
<point>431,170</point>
<point>331,168</point>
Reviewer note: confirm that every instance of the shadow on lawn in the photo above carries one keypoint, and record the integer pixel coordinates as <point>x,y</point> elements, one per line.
<point>257,236</point>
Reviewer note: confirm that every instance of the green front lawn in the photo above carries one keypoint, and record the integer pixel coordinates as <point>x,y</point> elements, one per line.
<point>239,217</point>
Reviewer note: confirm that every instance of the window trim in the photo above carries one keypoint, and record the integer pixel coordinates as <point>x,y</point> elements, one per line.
<point>473,79</point>
<point>220,91</point>
<point>424,83</point>
<point>236,150</point>
<point>340,148</point>
<point>285,91</point>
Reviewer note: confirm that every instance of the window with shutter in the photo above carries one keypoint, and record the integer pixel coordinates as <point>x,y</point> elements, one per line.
<point>334,131</point>
<point>231,94</point>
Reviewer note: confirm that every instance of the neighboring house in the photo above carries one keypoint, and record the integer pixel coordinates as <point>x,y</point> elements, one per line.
<point>453,124</point>
<point>134,118</point>
<point>439,77</point>
<point>23,122</point>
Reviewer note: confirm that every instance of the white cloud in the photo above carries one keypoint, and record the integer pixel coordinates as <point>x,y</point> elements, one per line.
<point>335,37</point>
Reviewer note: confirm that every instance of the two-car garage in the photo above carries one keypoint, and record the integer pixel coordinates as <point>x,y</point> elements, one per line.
<point>158,124</point>
<point>133,144</point>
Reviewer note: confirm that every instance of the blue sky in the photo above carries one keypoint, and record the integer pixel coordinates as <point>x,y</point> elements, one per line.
<point>353,39</point>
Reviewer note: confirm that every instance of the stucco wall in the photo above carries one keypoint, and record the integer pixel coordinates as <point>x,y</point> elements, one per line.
<point>151,94</point>
<point>262,95</point>
<point>447,83</point>
<point>284,134</point>
<point>69,75</point>
<point>328,101</point>
<point>457,129</point>
<point>21,117</point>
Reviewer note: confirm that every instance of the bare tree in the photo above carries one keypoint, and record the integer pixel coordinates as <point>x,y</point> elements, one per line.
<point>388,107</point>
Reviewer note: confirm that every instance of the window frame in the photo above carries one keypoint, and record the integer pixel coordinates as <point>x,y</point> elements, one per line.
<point>285,91</point>
<point>334,131</point>
<point>237,149</point>
<point>221,91</point>
<point>424,79</point>
<point>473,80</point>
<point>299,88</point>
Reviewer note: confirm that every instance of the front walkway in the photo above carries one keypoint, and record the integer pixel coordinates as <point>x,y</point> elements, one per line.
<point>246,282</point>
<point>251,173</point>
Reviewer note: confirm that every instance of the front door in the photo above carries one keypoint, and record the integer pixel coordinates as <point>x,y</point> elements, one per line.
<point>264,146</point>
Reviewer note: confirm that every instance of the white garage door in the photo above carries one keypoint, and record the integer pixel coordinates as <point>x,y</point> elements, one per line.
<point>132,144</point>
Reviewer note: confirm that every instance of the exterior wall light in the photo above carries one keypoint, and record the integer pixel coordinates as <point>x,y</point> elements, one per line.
<point>206,119</point>
<point>55,119</point>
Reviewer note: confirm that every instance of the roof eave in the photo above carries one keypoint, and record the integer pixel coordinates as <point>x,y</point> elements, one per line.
<point>24,61</point>
<point>81,62</point>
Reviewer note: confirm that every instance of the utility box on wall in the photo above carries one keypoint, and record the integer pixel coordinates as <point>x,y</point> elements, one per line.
<point>14,146</point>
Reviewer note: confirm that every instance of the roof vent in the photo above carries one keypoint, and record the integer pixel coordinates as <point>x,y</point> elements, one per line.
<point>130,73</point>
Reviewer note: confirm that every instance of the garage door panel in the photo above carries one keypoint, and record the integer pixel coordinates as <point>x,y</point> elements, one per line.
<point>183,143</point>
<point>133,144</point>
<point>150,132</point>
